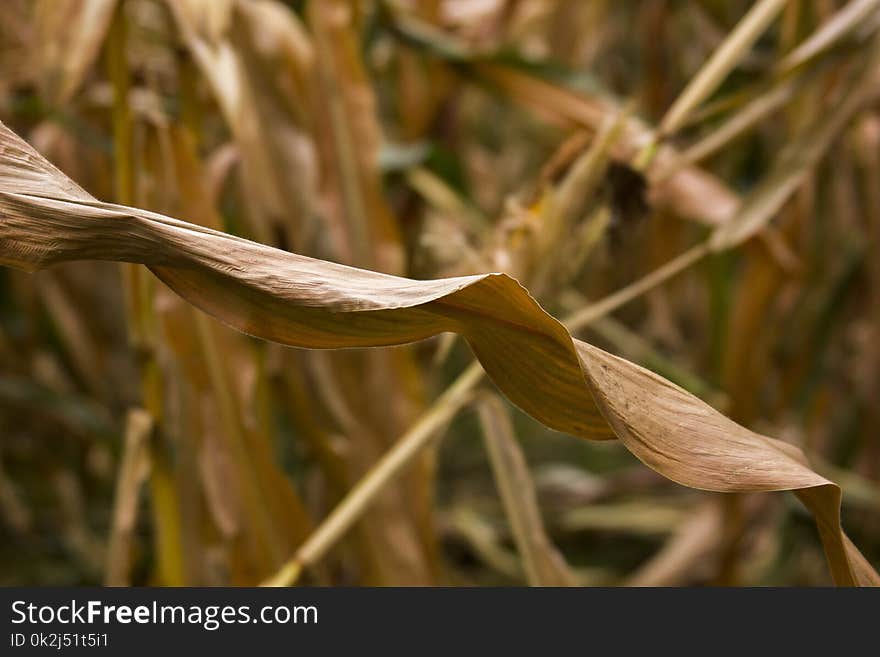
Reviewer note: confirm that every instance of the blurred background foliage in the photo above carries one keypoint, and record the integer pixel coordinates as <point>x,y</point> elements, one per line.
<point>142,442</point>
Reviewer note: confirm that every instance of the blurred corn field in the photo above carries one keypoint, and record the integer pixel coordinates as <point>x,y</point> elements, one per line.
<point>694,187</point>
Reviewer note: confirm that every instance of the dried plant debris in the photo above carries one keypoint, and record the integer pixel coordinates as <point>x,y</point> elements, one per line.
<point>410,195</point>
<point>566,384</point>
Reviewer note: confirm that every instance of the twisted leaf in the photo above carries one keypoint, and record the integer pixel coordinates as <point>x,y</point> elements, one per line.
<point>569,385</point>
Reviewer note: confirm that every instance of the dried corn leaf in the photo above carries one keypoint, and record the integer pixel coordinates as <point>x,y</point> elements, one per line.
<point>723,60</point>
<point>71,33</point>
<point>348,138</point>
<point>691,192</point>
<point>133,472</point>
<point>242,50</point>
<point>694,542</point>
<point>845,21</point>
<point>798,160</point>
<point>567,384</point>
<point>542,562</point>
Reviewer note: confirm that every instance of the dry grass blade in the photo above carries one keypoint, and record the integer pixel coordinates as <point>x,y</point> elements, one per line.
<point>567,384</point>
<point>796,162</point>
<point>133,472</point>
<point>741,121</point>
<point>73,31</point>
<point>639,518</point>
<point>691,192</point>
<point>721,63</point>
<point>543,564</point>
<point>694,540</point>
<point>276,161</point>
<point>12,509</point>
<point>353,505</point>
<point>845,21</point>
<point>350,132</point>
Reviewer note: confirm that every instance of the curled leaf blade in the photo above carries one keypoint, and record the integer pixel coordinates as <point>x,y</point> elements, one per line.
<point>567,384</point>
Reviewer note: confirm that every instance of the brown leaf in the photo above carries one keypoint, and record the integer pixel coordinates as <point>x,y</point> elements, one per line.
<point>567,384</point>
<point>543,564</point>
<point>71,33</point>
